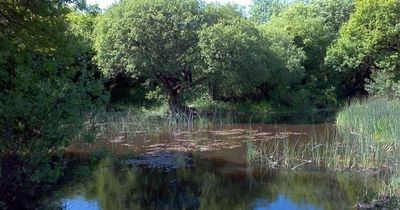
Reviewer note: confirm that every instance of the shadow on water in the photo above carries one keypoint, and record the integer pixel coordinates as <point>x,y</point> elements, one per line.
<point>209,184</point>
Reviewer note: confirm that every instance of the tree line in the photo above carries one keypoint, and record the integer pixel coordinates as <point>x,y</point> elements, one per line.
<point>295,53</point>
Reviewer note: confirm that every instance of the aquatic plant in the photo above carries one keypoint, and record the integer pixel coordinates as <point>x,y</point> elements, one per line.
<point>132,122</point>
<point>376,117</point>
<point>335,151</point>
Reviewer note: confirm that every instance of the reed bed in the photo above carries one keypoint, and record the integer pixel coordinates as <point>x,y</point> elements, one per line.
<point>376,116</point>
<point>336,151</point>
<point>147,122</point>
<point>133,122</point>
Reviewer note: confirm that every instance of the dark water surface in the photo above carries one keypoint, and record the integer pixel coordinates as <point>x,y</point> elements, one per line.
<point>207,169</point>
<point>212,184</point>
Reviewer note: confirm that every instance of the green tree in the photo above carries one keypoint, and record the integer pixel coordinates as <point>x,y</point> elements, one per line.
<point>214,13</point>
<point>81,24</point>
<point>43,95</point>
<point>289,70</point>
<point>236,54</point>
<point>153,39</point>
<point>368,42</point>
<point>313,27</point>
<point>334,12</point>
<point>263,10</point>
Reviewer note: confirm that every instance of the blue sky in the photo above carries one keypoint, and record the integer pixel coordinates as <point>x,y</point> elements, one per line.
<point>106,3</point>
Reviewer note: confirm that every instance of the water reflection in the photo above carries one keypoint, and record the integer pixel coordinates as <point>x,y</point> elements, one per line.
<point>79,202</point>
<point>212,184</point>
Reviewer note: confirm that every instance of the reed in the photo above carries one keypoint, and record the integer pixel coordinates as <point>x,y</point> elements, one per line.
<point>132,122</point>
<point>336,151</point>
<point>376,116</point>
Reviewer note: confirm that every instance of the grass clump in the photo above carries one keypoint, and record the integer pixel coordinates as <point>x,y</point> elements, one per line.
<point>378,118</point>
<point>132,122</point>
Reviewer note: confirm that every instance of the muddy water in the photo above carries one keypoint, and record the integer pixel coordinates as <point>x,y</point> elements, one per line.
<point>226,142</point>
<point>207,169</point>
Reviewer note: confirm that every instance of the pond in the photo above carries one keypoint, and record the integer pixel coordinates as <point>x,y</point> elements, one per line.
<point>207,168</point>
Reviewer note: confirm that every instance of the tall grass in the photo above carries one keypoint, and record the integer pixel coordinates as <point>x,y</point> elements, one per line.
<point>336,151</point>
<point>378,118</point>
<point>132,122</point>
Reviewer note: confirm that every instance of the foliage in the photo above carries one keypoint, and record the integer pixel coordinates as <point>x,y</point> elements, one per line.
<point>216,12</point>
<point>235,51</point>
<point>188,48</point>
<point>153,39</point>
<point>44,92</point>
<point>263,10</point>
<point>229,56</point>
<point>312,28</point>
<point>290,70</point>
<point>383,85</point>
<point>82,24</point>
<point>368,43</point>
<point>205,104</point>
<point>334,12</point>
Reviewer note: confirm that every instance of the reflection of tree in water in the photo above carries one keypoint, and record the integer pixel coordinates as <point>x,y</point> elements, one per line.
<point>116,186</point>
<point>322,190</point>
<point>212,185</point>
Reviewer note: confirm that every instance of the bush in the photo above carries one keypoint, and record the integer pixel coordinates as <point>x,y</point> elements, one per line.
<point>46,89</point>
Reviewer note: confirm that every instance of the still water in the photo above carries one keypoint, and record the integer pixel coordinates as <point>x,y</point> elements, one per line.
<point>212,184</point>
<point>206,168</point>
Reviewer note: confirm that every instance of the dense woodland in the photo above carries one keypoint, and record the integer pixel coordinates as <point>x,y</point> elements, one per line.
<point>62,59</point>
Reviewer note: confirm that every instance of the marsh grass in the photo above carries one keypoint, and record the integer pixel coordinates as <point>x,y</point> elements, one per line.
<point>376,117</point>
<point>137,122</point>
<point>335,151</point>
<point>132,122</point>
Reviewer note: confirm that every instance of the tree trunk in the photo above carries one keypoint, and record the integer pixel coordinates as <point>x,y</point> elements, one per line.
<point>173,88</point>
<point>173,101</point>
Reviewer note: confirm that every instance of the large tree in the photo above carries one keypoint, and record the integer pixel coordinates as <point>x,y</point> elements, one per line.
<point>368,43</point>
<point>156,39</point>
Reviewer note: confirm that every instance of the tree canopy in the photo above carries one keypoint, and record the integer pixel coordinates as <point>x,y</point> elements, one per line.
<point>235,53</point>
<point>155,39</point>
<point>368,43</point>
